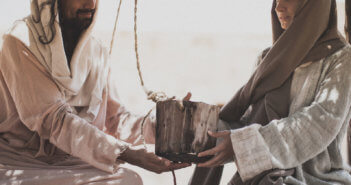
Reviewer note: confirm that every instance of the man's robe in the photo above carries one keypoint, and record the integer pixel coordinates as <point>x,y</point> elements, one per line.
<point>43,140</point>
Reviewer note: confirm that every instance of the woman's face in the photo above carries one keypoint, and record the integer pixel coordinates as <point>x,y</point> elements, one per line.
<point>286,10</point>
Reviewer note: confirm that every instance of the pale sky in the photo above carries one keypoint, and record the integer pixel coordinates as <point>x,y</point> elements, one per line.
<point>170,15</point>
<point>218,16</point>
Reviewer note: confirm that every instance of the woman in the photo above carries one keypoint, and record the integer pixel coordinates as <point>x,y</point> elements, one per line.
<point>289,119</point>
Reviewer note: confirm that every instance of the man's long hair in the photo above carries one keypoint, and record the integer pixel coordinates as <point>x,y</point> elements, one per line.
<point>44,39</point>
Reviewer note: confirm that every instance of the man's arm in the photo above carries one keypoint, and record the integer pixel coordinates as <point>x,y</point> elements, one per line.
<point>124,125</point>
<point>42,108</point>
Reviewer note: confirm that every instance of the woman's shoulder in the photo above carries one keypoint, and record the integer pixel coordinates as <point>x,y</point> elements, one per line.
<point>339,61</point>
<point>261,56</point>
<point>342,55</point>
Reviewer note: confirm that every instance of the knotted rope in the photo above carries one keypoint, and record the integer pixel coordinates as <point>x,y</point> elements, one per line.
<point>151,95</point>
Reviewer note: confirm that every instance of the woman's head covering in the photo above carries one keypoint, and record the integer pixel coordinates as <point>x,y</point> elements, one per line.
<point>313,35</point>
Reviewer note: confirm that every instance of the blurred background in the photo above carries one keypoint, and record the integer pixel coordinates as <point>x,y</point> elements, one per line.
<point>201,46</point>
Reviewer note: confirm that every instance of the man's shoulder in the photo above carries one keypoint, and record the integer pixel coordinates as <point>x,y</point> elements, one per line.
<point>98,44</point>
<point>20,31</point>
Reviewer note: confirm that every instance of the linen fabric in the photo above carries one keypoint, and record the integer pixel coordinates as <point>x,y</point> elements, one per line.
<point>312,36</point>
<point>56,119</point>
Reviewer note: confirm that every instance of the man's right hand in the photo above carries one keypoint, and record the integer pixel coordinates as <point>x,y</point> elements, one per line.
<point>149,161</point>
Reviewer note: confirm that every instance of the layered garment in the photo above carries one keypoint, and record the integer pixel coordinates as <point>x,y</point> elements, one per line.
<point>309,139</point>
<point>61,124</point>
<point>289,119</point>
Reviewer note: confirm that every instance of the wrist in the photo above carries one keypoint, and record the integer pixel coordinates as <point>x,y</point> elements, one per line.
<point>124,155</point>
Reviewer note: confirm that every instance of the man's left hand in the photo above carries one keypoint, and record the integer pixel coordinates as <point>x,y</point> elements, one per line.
<point>223,152</point>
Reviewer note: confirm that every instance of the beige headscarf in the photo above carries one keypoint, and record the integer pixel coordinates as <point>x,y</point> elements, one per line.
<point>83,82</point>
<point>313,35</point>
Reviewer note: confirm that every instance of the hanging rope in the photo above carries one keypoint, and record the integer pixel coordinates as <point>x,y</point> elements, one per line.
<point>115,28</point>
<point>136,45</point>
<point>154,96</point>
<point>151,95</point>
<point>142,127</point>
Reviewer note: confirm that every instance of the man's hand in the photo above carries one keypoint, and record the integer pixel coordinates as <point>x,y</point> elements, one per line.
<point>149,161</point>
<point>223,152</point>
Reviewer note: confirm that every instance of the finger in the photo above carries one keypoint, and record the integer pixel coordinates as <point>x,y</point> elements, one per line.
<point>173,166</point>
<point>212,151</point>
<point>154,168</point>
<point>187,97</point>
<point>167,162</point>
<point>219,134</point>
<point>162,162</point>
<point>158,164</point>
<point>215,161</point>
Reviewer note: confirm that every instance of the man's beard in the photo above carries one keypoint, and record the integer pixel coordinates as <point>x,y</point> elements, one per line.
<point>77,24</point>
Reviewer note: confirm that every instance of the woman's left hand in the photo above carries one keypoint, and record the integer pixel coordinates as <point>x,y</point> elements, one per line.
<point>223,152</point>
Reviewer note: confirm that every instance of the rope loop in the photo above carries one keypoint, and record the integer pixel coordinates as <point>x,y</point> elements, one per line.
<point>151,95</point>
<point>158,96</point>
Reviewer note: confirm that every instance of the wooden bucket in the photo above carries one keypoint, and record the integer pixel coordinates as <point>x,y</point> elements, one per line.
<point>181,130</point>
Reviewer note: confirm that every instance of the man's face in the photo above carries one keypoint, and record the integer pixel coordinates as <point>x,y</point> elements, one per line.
<point>286,10</point>
<point>77,13</point>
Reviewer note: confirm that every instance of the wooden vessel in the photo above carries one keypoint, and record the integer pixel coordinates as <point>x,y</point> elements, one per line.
<point>181,130</point>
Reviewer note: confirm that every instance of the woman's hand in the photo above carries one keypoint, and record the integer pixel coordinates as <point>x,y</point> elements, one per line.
<point>149,161</point>
<point>223,152</point>
<point>187,97</point>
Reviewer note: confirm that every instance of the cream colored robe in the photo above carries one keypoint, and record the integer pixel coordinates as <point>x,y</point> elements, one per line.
<point>43,140</point>
<point>309,139</point>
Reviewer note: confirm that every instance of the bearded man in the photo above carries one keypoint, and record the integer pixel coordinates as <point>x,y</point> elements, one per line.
<point>61,121</point>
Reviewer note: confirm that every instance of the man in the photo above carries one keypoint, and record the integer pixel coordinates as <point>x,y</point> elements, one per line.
<point>60,119</point>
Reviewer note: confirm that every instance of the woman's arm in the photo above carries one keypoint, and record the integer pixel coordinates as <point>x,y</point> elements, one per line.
<point>291,141</point>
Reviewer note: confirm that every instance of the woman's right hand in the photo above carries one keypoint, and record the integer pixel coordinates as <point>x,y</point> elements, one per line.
<point>149,161</point>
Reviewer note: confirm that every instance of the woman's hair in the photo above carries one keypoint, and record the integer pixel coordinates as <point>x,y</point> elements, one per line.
<point>43,38</point>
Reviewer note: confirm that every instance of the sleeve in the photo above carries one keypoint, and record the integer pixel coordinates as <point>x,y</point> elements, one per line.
<point>291,141</point>
<point>126,126</point>
<point>42,109</point>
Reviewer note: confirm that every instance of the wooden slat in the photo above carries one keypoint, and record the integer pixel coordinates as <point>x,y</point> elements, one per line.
<point>348,38</point>
<point>181,132</point>
<point>348,20</point>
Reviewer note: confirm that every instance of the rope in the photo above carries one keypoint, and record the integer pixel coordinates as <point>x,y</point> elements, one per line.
<point>142,127</point>
<point>115,27</point>
<point>151,95</point>
<point>154,96</point>
<point>136,45</point>
<point>174,178</point>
